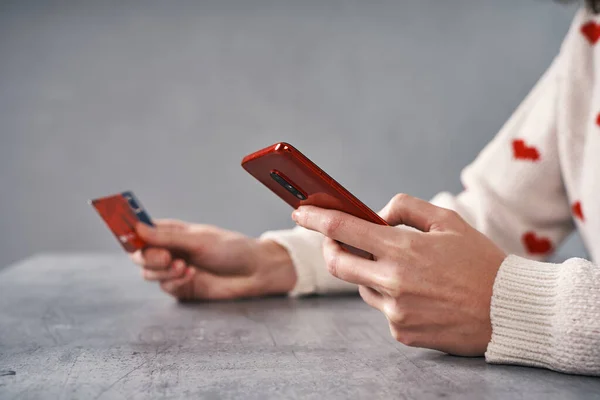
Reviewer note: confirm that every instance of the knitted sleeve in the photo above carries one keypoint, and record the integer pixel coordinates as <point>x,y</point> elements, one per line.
<point>547,315</point>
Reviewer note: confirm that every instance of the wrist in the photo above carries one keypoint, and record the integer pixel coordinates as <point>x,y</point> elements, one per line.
<point>274,267</point>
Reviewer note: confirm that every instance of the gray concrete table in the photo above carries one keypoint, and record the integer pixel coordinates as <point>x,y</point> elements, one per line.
<point>88,327</point>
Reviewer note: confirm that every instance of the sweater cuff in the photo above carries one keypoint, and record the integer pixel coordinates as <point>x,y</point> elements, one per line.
<point>301,257</point>
<point>522,310</point>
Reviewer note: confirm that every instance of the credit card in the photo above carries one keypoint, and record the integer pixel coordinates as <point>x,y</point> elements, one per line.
<point>121,212</point>
<point>137,208</point>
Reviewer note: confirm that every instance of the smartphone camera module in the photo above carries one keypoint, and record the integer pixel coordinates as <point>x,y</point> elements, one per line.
<point>287,185</point>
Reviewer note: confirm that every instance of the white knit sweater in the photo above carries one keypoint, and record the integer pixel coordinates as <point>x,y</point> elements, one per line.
<point>527,190</point>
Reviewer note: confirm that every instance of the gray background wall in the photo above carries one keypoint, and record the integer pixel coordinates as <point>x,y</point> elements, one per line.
<point>166,97</point>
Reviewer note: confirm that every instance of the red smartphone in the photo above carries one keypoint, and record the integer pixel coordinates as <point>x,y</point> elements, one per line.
<point>298,181</point>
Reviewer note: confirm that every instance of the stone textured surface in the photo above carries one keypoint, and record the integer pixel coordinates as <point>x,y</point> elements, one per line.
<point>86,326</point>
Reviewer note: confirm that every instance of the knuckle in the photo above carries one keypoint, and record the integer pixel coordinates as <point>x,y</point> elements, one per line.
<point>446,218</point>
<point>333,261</point>
<point>394,282</point>
<point>397,334</point>
<point>404,337</point>
<point>448,215</point>
<point>182,273</point>
<point>332,225</point>
<point>396,314</point>
<point>398,199</point>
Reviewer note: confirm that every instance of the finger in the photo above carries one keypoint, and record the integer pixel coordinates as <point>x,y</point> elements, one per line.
<point>155,258</point>
<point>176,270</point>
<point>169,234</point>
<point>403,209</point>
<point>152,258</point>
<point>206,286</point>
<point>344,228</point>
<point>173,224</point>
<point>209,286</point>
<point>137,258</point>
<point>179,287</point>
<point>354,269</point>
<point>371,297</point>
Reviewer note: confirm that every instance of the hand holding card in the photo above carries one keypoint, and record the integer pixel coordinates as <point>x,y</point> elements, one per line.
<point>121,212</point>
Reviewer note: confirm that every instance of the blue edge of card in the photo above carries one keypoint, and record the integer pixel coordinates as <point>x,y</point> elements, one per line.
<point>137,208</point>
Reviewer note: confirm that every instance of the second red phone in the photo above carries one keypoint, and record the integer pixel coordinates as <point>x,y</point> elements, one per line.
<point>298,181</point>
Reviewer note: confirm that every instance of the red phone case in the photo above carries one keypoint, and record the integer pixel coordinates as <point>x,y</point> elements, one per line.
<point>320,189</point>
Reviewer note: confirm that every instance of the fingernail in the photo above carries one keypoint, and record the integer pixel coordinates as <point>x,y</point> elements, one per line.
<point>296,215</point>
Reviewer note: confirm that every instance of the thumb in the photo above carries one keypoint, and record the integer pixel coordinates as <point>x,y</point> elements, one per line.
<point>164,236</point>
<point>403,209</point>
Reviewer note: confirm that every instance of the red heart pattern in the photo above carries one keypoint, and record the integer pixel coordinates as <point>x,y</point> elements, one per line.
<point>578,210</point>
<point>523,152</point>
<point>535,244</point>
<point>591,31</point>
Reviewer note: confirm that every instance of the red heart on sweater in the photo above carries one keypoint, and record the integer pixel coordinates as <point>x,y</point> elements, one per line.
<point>536,245</point>
<point>591,31</point>
<point>577,210</point>
<point>598,120</point>
<point>523,152</point>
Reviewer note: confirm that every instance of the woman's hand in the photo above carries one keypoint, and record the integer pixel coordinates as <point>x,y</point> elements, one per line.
<point>433,285</point>
<point>192,261</point>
